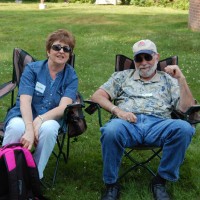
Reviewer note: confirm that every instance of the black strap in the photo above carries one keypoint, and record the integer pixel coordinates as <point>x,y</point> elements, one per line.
<point>9,157</point>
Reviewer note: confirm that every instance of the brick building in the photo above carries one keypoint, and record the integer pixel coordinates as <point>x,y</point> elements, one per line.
<point>194,15</point>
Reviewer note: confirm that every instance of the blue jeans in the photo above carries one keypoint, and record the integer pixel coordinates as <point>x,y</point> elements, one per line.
<point>173,135</point>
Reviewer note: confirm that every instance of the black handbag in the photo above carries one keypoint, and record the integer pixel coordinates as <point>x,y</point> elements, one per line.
<point>75,118</point>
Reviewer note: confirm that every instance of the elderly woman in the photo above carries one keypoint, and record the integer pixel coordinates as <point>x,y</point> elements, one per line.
<point>46,88</point>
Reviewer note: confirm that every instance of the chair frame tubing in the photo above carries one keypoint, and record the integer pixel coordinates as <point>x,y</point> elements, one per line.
<point>142,164</point>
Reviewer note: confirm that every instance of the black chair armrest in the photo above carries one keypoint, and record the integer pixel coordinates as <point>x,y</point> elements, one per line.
<point>71,107</point>
<point>75,105</point>
<point>92,108</point>
<point>191,115</point>
<point>193,109</point>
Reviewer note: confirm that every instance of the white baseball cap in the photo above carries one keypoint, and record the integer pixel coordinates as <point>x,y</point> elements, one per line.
<point>144,46</point>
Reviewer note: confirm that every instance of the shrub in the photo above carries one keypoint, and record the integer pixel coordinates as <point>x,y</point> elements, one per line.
<point>178,4</point>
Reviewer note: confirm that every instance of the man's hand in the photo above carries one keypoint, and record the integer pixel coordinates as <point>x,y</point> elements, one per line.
<point>174,71</point>
<point>129,116</point>
<point>186,98</point>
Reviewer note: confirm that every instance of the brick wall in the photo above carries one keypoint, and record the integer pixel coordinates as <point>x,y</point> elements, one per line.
<point>194,15</point>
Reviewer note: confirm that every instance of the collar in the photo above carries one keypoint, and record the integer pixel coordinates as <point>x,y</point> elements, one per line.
<point>155,78</point>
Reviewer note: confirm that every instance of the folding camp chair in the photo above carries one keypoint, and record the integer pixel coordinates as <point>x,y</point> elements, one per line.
<point>20,59</point>
<point>9,87</point>
<point>123,63</point>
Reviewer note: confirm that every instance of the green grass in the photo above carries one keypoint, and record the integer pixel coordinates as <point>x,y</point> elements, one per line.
<point>102,32</point>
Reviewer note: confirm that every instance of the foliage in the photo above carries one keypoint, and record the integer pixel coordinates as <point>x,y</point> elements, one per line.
<point>49,1</point>
<point>102,32</point>
<point>179,4</point>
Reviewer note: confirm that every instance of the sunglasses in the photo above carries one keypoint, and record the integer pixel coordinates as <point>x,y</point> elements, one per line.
<point>139,58</point>
<point>58,47</point>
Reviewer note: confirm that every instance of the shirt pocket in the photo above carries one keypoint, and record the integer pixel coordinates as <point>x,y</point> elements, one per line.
<point>38,97</point>
<point>57,97</point>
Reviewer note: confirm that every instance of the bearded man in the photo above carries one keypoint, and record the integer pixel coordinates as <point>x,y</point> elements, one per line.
<point>144,99</point>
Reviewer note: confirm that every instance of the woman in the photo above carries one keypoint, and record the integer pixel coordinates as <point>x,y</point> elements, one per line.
<point>46,88</point>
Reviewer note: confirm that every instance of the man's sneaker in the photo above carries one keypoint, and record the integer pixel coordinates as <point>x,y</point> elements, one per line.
<point>111,192</point>
<point>159,192</point>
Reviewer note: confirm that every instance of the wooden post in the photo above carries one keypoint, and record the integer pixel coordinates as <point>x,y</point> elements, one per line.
<point>194,15</point>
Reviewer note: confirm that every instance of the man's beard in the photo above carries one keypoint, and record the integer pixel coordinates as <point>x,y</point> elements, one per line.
<point>148,73</point>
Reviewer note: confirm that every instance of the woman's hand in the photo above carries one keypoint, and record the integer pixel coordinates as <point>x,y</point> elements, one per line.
<point>28,138</point>
<point>36,126</point>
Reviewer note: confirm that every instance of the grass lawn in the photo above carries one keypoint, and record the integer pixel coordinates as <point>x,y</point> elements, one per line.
<point>102,32</point>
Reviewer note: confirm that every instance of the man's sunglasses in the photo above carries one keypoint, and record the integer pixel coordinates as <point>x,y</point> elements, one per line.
<point>140,57</point>
<point>58,47</point>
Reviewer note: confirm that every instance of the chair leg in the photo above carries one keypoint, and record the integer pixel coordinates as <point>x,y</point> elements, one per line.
<point>55,172</point>
<point>68,143</point>
<point>1,140</point>
<point>60,152</point>
<point>140,164</point>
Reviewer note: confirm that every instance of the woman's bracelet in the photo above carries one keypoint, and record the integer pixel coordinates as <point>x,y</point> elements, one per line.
<point>28,123</point>
<point>42,119</point>
<point>112,109</point>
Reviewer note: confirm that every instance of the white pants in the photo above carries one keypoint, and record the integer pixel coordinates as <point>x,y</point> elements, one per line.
<point>47,138</point>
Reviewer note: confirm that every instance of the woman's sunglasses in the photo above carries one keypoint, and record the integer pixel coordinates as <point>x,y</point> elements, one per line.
<point>58,47</point>
<point>140,57</point>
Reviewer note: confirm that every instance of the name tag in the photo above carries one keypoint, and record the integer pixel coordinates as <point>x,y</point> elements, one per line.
<point>39,87</point>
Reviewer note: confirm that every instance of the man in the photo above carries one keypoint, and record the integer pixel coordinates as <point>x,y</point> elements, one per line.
<point>144,100</point>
